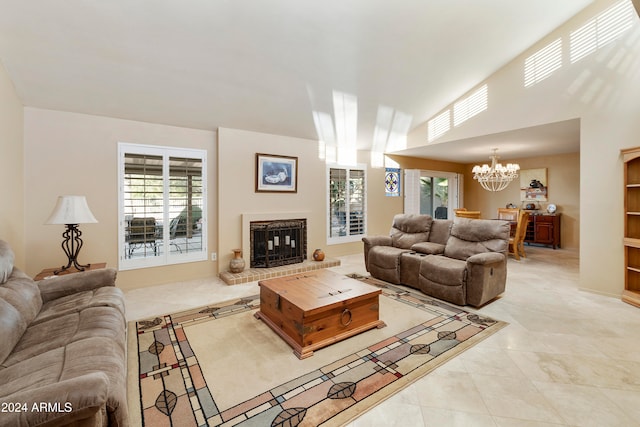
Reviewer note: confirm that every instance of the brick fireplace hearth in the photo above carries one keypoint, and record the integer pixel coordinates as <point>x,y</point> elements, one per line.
<point>254,274</point>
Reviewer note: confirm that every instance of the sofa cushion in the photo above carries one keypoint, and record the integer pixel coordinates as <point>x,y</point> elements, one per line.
<point>69,363</point>
<point>104,322</point>
<point>12,326</point>
<point>409,229</point>
<point>87,409</point>
<point>19,304</point>
<point>473,236</point>
<point>443,278</point>
<point>443,270</point>
<point>384,263</point>
<point>6,261</point>
<point>56,287</point>
<point>107,296</point>
<point>440,229</point>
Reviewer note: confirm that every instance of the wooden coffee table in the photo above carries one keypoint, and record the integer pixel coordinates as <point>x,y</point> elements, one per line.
<point>315,309</point>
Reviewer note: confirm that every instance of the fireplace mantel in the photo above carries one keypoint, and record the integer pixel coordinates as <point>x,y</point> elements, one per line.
<point>247,218</point>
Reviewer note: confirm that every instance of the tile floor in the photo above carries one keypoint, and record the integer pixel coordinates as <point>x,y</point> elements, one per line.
<point>567,358</point>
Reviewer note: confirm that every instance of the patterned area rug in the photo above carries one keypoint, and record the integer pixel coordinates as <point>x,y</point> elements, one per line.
<point>218,365</point>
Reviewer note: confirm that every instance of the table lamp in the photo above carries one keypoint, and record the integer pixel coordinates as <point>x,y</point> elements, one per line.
<point>71,211</point>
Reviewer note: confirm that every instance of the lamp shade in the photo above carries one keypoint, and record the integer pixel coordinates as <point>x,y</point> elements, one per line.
<point>71,210</point>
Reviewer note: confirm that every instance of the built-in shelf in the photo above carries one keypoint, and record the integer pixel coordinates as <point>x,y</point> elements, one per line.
<point>631,293</point>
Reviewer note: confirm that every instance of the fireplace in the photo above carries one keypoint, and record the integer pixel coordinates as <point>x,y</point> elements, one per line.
<point>278,242</point>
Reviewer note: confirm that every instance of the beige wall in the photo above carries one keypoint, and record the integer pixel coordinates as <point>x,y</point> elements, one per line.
<point>237,196</point>
<point>67,153</point>
<point>563,174</point>
<point>563,180</point>
<point>11,169</point>
<point>603,91</point>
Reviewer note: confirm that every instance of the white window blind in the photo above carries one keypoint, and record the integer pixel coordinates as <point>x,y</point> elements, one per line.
<point>347,204</point>
<point>162,205</point>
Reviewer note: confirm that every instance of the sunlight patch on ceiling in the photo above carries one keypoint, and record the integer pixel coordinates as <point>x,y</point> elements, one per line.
<point>345,110</point>
<point>390,133</point>
<point>338,134</point>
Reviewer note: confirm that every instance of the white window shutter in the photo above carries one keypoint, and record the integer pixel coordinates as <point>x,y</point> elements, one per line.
<point>412,191</point>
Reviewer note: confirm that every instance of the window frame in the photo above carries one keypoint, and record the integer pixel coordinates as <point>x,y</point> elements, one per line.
<point>412,187</point>
<point>166,257</point>
<point>349,237</point>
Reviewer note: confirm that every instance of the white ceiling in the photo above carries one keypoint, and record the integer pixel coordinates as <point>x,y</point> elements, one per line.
<point>265,66</point>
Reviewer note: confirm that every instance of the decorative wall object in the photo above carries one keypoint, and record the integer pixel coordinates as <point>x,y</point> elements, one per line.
<point>276,174</point>
<point>533,185</point>
<point>392,182</point>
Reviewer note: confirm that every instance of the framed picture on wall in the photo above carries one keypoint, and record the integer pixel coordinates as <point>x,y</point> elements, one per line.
<point>533,185</point>
<point>276,174</point>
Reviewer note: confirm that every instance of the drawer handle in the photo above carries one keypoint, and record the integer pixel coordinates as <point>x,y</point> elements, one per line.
<point>344,314</point>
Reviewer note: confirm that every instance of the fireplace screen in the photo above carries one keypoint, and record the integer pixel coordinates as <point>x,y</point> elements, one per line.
<point>280,242</point>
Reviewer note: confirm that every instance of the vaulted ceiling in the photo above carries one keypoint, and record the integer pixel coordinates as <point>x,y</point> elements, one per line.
<point>267,66</point>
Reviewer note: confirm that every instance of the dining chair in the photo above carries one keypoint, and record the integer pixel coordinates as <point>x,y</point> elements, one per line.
<point>467,214</point>
<point>508,214</point>
<point>516,243</point>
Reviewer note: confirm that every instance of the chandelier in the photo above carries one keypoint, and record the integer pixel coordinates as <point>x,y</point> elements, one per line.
<point>495,177</point>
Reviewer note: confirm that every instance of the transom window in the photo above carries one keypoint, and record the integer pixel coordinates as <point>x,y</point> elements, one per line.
<point>162,205</point>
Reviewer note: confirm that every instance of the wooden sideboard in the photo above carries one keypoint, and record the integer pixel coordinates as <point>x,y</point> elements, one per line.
<point>544,229</point>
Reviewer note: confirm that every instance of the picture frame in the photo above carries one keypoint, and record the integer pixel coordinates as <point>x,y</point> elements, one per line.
<point>276,173</point>
<point>533,185</point>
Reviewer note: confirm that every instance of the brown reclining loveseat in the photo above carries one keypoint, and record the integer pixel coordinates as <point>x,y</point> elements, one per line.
<point>462,261</point>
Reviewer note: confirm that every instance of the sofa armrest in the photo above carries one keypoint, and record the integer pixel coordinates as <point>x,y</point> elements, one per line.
<point>486,258</point>
<point>372,241</point>
<point>486,277</point>
<point>60,286</point>
<point>377,240</point>
<point>69,402</point>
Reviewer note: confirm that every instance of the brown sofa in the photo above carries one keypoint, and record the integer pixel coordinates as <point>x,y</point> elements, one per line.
<point>462,261</point>
<point>62,353</point>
